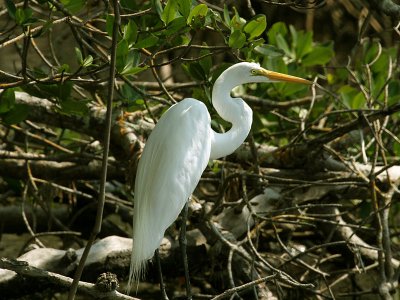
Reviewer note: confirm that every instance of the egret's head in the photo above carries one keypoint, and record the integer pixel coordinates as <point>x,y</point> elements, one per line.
<point>246,72</point>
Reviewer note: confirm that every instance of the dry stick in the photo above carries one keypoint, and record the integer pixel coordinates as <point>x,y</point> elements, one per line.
<point>100,206</point>
<point>41,139</point>
<point>23,268</point>
<point>28,226</point>
<point>387,197</point>
<point>24,57</point>
<point>245,286</point>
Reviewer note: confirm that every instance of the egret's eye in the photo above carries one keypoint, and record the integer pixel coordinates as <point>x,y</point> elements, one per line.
<point>254,72</point>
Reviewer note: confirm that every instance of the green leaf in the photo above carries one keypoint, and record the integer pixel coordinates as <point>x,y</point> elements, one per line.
<point>74,107</point>
<point>194,70</point>
<point>129,4</point>
<point>139,101</point>
<point>198,12</point>
<point>84,62</point>
<point>180,39</point>
<point>278,28</point>
<point>130,32</point>
<point>88,61</point>
<point>63,68</point>
<point>169,12</point>
<point>184,7</point>
<point>156,4</point>
<point>218,69</point>
<point>320,55</point>
<point>79,56</point>
<point>19,16</point>
<point>176,25</point>
<point>358,101</point>
<point>237,22</point>
<point>206,61</point>
<point>122,48</point>
<point>109,24</point>
<point>347,93</point>
<point>256,26</point>
<point>269,50</point>
<point>147,42</point>
<point>214,166</point>
<point>237,39</point>
<point>122,54</point>
<point>294,35</point>
<point>11,9</point>
<point>394,92</point>
<point>304,44</point>
<point>7,100</point>
<point>127,60</point>
<point>382,63</point>
<point>17,114</point>
<point>74,6</point>
<point>23,16</point>
<point>282,44</point>
<point>227,17</point>
<point>132,70</point>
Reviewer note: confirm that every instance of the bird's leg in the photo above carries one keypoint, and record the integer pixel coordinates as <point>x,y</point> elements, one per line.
<point>162,285</point>
<point>183,244</point>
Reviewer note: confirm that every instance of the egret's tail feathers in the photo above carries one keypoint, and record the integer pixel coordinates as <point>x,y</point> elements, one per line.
<point>146,239</point>
<point>136,272</point>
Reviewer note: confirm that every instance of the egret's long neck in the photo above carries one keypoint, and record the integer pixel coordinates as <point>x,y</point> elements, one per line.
<point>235,111</point>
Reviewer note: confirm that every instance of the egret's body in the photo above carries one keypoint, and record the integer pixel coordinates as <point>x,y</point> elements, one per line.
<point>167,175</point>
<point>177,152</point>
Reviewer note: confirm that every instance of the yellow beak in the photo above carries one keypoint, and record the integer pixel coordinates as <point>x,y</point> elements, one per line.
<point>283,77</point>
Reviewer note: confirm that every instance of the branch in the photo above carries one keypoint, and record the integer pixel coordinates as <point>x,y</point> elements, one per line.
<point>23,268</point>
<point>354,240</point>
<point>108,252</point>
<point>387,7</point>
<point>107,138</point>
<point>93,124</point>
<point>16,168</point>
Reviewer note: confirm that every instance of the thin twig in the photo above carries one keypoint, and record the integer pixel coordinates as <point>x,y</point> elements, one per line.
<point>107,134</point>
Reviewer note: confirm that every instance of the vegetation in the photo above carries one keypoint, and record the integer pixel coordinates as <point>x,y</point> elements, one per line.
<point>310,203</point>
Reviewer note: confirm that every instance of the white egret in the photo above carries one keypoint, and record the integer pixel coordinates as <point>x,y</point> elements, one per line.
<point>177,152</point>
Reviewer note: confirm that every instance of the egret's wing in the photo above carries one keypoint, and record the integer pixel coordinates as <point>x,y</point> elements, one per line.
<point>174,157</point>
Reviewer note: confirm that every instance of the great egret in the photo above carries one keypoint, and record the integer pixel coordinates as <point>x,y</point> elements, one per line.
<point>177,152</point>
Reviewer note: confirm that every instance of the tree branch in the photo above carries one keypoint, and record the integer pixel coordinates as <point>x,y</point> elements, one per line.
<point>387,7</point>
<point>23,268</point>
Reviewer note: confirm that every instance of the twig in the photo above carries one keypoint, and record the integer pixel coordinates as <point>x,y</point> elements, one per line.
<point>28,226</point>
<point>245,286</point>
<point>41,139</point>
<point>107,135</point>
<point>32,31</point>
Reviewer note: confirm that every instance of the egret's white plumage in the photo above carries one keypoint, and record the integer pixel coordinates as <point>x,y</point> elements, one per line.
<point>167,175</point>
<point>177,152</point>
